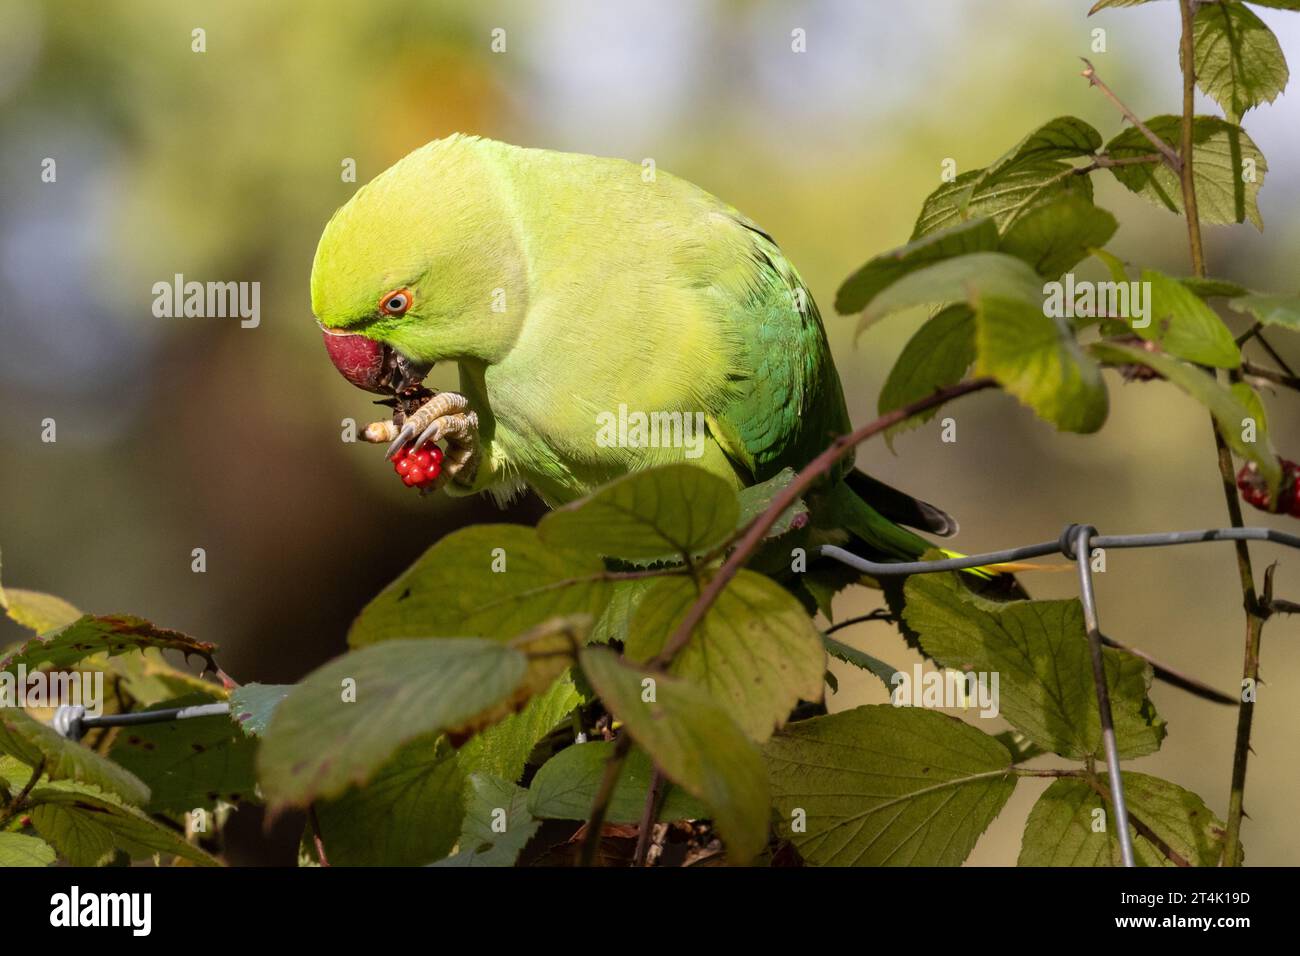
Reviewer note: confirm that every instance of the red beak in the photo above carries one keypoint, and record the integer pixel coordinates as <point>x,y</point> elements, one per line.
<point>363,362</point>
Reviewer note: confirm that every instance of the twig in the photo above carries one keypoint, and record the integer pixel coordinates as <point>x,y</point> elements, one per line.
<point>596,822</point>
<point>1167,151</point>
<point>1172,855</point>
<point>1277,378</point>
<point>648,815</point>
<point>1173,677</point>
<point>879,614</point>
<point>316,835</point>
<point>18,802</point>
<point>812,472</point>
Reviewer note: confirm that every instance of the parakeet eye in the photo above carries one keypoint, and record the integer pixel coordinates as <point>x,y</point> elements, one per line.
<point>395,303</point>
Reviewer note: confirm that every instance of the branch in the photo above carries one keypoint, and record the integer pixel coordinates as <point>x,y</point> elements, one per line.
<point>596,822</point>
<point>1167,151</point>
<point>1277,378</point>
<point>648,814</point>
<point>814,471</point>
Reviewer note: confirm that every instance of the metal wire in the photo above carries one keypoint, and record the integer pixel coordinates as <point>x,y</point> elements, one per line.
<point>1076,543</point>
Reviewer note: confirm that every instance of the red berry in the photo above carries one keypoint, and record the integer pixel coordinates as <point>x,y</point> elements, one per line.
<point>1254,490</point>
<point>418,469</point>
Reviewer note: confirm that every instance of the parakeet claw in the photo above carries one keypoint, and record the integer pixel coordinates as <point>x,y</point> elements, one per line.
<point>445,417</point>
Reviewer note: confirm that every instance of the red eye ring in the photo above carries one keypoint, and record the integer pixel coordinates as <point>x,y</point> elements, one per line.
<point>397,302</point>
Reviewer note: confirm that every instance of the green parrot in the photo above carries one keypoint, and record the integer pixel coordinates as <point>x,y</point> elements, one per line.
<point>572,292</point>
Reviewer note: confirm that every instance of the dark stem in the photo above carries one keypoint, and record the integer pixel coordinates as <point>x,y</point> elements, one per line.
<point>16,805</point>
<point>596,822</point>
<point>316,839</point>
<point>813,472</point>
<point>648,814</point>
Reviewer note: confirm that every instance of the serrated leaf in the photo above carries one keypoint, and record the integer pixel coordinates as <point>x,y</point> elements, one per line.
<point>1039,650</point>
<point>17,849</point>
<point>1036,358</point>
<point>408,814</point>
<point>624,598</point>
<point>1228,412</point>
<point>1059,831</point>
<point>566,787</point>
<point>938,355</point>
<point>497,824</point>
<point>755,499</point>
<point>108,634</point>
<point>886,786</point>
<point>484,581</point>
<point>884,270</point>
<point>1064,137</point>
<point>970,279</point>
<point>756,652</point>
<point>660,513</point>
<point>1208,288</point>
<point>189,763</point>
<point>1223,158</point>
<point>1239,63</point>
<point>32,742</point>
<point>694,742</point>
<point>1012,194</point>
<point>1280,310</point>
<point>38,611</point>
<point>502,750</point>
<point>87,826</point>
<point>318,744</point>
<point>861,659</point>
<point>252,705</point>
<point>1056,235</point>
<point>1184,325</point>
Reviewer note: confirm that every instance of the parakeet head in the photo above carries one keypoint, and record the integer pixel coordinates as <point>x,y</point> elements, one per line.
<point>421,265</point>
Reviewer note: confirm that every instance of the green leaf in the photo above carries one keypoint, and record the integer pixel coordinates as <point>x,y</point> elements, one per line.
<point>756,652</point>
<point>968,279</point>
<point>566,786</point>
<point>886,786</point>
<point>1227,167</point>
<point>1035,357</point>
<point>504,748</point>
<point>109,634</point>
<point>1227,410</point>
<point>936,356</point>
<point>1010,195</point>
<point>1059,831</point>
<point>1210,288</point>
<point>409,814</point>
<point>624,598</point>
<point>320,740</point>
<point>693,741</point>
<point>1281,310</point>
<point>1239,63</point>
<point>38,611</point>
<point>1039,650</point>
<point>484,581</point>
<point>664,512</point>
<point>857,292</point>
<point>32,742</point>
<point>19,850</point>
<point>1065,137</point>
<point>252,705</point>
<point>1184,325</point>
<point>1054,236</point>
<point>87,827</point>
<point>755,499</point>
<point>189,763</point>
<point>851,655</point>
<point>497,824</point>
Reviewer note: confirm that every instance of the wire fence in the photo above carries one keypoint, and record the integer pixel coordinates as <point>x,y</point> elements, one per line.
<point>1075,544</point>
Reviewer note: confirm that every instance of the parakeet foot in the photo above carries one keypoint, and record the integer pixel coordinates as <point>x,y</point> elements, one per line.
<point>445,417</point>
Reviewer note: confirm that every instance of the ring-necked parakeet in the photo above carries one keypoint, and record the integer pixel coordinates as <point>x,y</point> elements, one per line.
<point>571,289</point>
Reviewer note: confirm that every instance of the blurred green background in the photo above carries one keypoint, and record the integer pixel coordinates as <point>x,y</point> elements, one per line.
<point>182,433</point>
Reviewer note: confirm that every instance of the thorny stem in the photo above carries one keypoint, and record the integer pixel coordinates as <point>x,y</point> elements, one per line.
<point>814,471</point>
<point>596,822</point>
<point>1170,157</point>
<point>1254,616</point>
